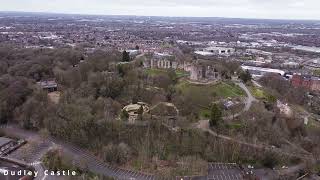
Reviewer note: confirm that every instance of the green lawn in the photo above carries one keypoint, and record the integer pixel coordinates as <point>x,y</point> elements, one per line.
<point>205,113</point>
<point>204,95</point>
<point>235,126</point>
<point>261,94</point>
<point>181,73</point>
<point>154,72</point>
<point>258,93</point>
<point>228,90</point>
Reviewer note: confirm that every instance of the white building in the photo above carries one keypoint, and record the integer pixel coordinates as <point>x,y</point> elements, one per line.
<point>258,72</point>
<point>216,51</point>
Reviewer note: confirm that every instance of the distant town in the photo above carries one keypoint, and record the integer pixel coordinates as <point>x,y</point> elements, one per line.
<point>130,97</point>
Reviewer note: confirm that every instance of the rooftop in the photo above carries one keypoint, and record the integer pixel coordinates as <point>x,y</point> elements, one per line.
<point>4,141</point>
<point>48,84</point>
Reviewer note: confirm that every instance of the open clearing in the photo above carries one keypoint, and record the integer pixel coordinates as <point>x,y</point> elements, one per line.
<point>203,95</point>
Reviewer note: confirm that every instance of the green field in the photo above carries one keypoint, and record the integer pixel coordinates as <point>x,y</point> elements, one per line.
<point>203,95</point>
<point>181,73</point>
<point>261,94</point>
<point>205,113</point>
<point>258,93</point>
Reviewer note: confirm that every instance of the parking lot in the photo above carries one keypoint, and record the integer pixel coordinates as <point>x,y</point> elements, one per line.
<point>224,171</point>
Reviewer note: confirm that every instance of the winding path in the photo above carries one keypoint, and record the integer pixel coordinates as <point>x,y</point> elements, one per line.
<point>204,126</point>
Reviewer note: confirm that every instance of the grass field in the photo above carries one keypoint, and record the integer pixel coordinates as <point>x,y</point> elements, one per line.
<point>204,95</point>
<point>222,89</point>
<point>258,93</point>
<point>261,94</point>
<point>181,73</point>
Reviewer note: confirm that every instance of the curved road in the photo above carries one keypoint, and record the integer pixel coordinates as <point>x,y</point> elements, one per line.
<point>79,156</point>
<point>248,103</point>
<point>250,98</point>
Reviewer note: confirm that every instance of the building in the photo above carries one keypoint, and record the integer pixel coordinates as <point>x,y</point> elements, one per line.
<point>6,144</point>
<point>308,82</point>
<point>313,64</point>
<point>204,73</point>
<point>163,64</point>
<point>161,61</point>
<point>50,86</point>
<point>258,72</point>
<point>259,52</point>
<point>290,65</point>
<point>133,110</point>
<point>223,51</point>
<point>133,52</point>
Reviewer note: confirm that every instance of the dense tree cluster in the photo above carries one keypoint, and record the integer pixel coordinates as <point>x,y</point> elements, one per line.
<point>283,89</point>
<point>94,89</point>
<point>245,76</point>
<point>215,115</point>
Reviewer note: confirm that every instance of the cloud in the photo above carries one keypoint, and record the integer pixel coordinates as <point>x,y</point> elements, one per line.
<point>279,9</point>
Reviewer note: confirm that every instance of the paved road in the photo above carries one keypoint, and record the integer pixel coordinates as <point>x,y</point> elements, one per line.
<point>250,99</point>
<point>80,157</point>
<point>248,103</point>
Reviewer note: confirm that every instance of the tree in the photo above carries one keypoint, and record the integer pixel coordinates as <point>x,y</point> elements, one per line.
<point>124,115</point>
<point>117,154</point>
<point>44,134</point>
<point>270,160</point>
<point>170,91</point>
<point>125,56</point>
<point>173,76</point>
<point>215,115</point>
<point>245,76</point>
<point>53,160</point>
<point>140,113</point>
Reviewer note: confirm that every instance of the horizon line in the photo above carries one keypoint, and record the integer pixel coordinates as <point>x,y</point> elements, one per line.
<point>93,14</point>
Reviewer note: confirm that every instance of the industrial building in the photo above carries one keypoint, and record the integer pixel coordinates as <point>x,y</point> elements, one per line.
<point>258,72</point>
<point>308,82</point>
<point>224,51</point>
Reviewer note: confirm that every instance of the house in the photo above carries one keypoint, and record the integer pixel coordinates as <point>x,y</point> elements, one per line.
<point>50,86</point>
<point>228,104</point>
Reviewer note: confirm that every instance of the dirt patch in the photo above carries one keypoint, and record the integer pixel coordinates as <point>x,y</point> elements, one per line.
<point>54,97</point>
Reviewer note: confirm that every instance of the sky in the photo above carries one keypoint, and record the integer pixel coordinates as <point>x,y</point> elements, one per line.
<point>267,9</point>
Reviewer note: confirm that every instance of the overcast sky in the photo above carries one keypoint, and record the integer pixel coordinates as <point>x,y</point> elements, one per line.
<point>271,9</point>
